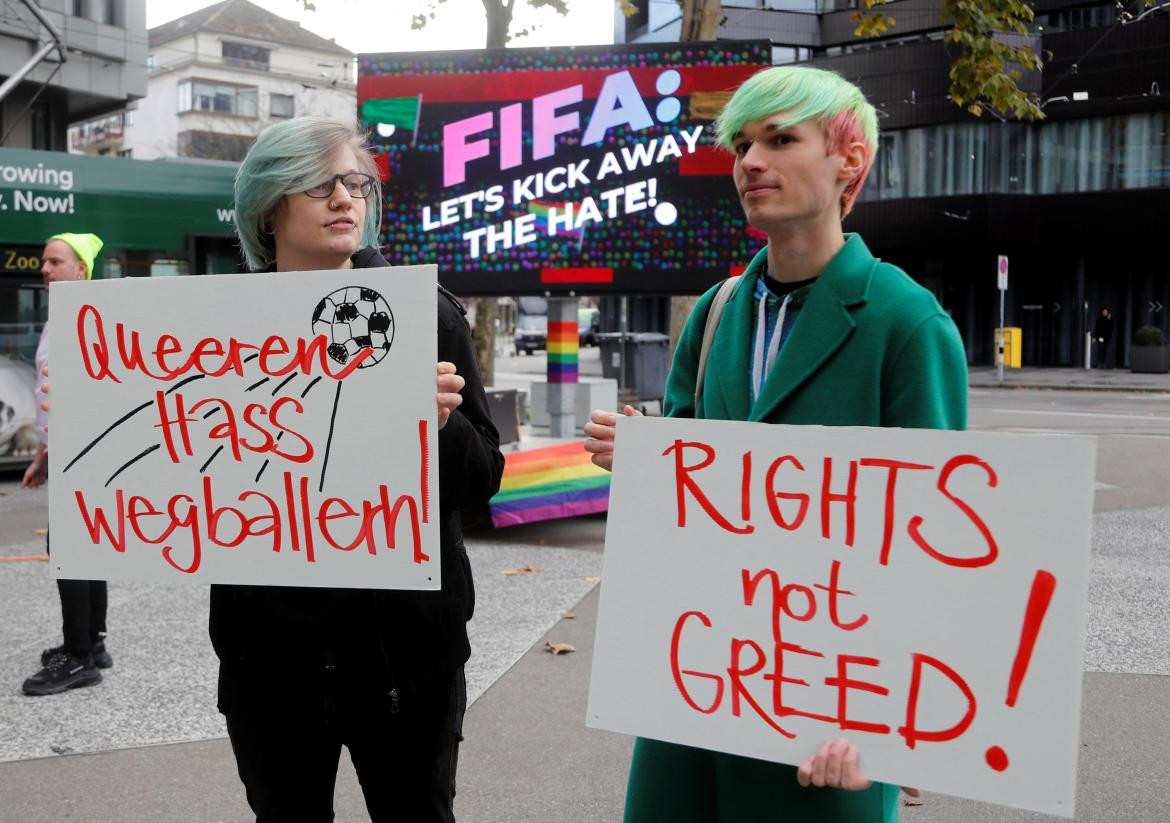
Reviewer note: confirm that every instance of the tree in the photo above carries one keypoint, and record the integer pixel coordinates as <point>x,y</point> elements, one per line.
<point>499,18</point>
<point>985,75</point>
<point>499,33</point>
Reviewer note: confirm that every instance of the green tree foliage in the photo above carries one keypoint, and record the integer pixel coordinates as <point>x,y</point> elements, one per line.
<point>985,75</point>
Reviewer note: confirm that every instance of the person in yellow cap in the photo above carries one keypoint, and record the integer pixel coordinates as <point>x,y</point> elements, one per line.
<point>76,661</point>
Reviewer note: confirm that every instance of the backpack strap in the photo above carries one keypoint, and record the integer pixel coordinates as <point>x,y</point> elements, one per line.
<point>713,314</point>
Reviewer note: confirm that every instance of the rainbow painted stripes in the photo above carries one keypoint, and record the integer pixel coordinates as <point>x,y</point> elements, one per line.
<point>564,346</point>
<point>549,483</point>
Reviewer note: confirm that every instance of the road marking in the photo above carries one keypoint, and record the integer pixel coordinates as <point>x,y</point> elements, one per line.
<point>1081,414</point>
<point>24,558</point>
<point>1099,486</point>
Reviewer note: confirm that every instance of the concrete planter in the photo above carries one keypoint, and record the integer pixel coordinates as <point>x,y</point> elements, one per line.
<point>1149,359</point>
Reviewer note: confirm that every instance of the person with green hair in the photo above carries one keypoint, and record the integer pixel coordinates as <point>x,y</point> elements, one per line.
<point>816,331</point>
<point>76,662</point>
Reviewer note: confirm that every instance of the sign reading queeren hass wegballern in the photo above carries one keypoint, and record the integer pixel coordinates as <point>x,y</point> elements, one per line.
<point>275,428</point>
<point>918,592</point>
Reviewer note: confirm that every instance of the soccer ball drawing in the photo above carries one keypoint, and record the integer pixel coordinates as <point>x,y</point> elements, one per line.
<point>355,318</point>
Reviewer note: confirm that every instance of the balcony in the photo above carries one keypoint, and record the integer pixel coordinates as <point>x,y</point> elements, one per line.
<point>98,132</point>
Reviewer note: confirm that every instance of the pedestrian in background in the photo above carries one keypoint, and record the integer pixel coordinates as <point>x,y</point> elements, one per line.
<point>75,663</point>
<point>1103,334</point>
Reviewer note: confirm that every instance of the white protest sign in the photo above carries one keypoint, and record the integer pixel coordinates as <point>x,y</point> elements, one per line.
<point>274,428</point>
<point>919,592</point>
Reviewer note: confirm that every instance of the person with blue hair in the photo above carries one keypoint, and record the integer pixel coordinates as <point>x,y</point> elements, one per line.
<point>816,331</point>
<point>304,671</point>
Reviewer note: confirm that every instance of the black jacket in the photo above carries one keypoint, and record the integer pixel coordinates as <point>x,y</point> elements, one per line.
<point>269,635</point>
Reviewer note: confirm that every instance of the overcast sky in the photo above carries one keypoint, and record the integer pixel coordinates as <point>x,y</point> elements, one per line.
<point>382,25</point>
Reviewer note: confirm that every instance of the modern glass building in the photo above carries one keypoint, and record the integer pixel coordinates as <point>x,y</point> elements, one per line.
<point>1078,201</point>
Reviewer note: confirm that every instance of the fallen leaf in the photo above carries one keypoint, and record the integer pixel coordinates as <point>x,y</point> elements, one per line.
<point>569,616</point>
<point>529,569</point>
<point>40,532</point>
<point>592,579</point>
<point>559,648</point>
<point>540,542</point>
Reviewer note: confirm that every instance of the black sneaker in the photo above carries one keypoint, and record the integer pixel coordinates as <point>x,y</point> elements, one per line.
<point>61,673</point>
<point>101,657</point>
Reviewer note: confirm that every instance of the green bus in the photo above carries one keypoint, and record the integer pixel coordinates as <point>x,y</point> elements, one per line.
<point>157,218</point>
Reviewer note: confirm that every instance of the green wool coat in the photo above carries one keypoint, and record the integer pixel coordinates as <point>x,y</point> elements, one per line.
<point>870,347</point>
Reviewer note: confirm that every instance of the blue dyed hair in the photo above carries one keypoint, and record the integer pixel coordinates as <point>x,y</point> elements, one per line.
<point>287,158</point>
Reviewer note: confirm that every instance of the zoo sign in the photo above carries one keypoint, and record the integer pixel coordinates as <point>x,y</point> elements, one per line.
<point>256,428</point>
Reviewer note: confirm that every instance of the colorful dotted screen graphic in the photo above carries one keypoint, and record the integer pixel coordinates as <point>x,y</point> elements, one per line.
<point>555,170</point>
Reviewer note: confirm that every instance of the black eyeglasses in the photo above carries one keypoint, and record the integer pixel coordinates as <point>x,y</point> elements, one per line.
<point>356,183</point>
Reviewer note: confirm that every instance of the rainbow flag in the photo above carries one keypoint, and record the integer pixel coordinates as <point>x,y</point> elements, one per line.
<point>549,483</point>
<point>541,209</point>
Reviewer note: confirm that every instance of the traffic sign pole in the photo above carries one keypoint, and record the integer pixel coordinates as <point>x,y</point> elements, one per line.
<point>1002,279</point>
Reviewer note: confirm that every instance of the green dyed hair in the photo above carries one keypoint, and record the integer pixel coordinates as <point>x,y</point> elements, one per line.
<point>808,94</point>
<point>287,158</point>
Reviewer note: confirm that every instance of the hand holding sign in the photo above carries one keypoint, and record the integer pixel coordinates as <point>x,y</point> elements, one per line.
<point>600,433</point>
<point>449,385</point>
<point>837,764</point>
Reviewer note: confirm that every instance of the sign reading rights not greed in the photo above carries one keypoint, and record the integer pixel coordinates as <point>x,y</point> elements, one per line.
<point>919,592</point>
<point>257,428</point>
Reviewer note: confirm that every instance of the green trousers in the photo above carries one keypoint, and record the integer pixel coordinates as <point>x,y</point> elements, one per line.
<point>678,784</point>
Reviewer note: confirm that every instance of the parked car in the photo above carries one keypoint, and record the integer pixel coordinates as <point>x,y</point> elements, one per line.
<point>531,333</point>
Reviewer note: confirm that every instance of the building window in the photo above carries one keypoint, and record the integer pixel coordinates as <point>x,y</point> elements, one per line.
<point>637,23</point>
<point>151,65</point>
<point>245,56</point>
<point>163,267</point>
<point>73,8</point>
<point>281,105</point>
<point>199,95</point>
<point>127,153</point>
<point>106,12</point>
<point>1129,151</point>
<point>209,145</point>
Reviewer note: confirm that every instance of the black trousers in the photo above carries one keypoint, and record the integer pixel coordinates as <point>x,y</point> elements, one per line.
<point>405,755</point>
<point>83,612</point>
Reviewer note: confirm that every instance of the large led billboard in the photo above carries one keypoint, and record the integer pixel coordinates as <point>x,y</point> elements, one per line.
<point>586,170</point>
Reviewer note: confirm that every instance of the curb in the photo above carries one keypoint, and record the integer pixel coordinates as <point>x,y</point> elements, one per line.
<point>1050,387</point>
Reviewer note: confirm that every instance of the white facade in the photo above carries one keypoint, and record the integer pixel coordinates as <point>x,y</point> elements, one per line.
<point>209,94</point>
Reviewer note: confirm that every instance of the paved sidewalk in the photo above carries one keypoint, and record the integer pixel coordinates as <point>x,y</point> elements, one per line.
<point>1119,380</point>
<point>147,744</point>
